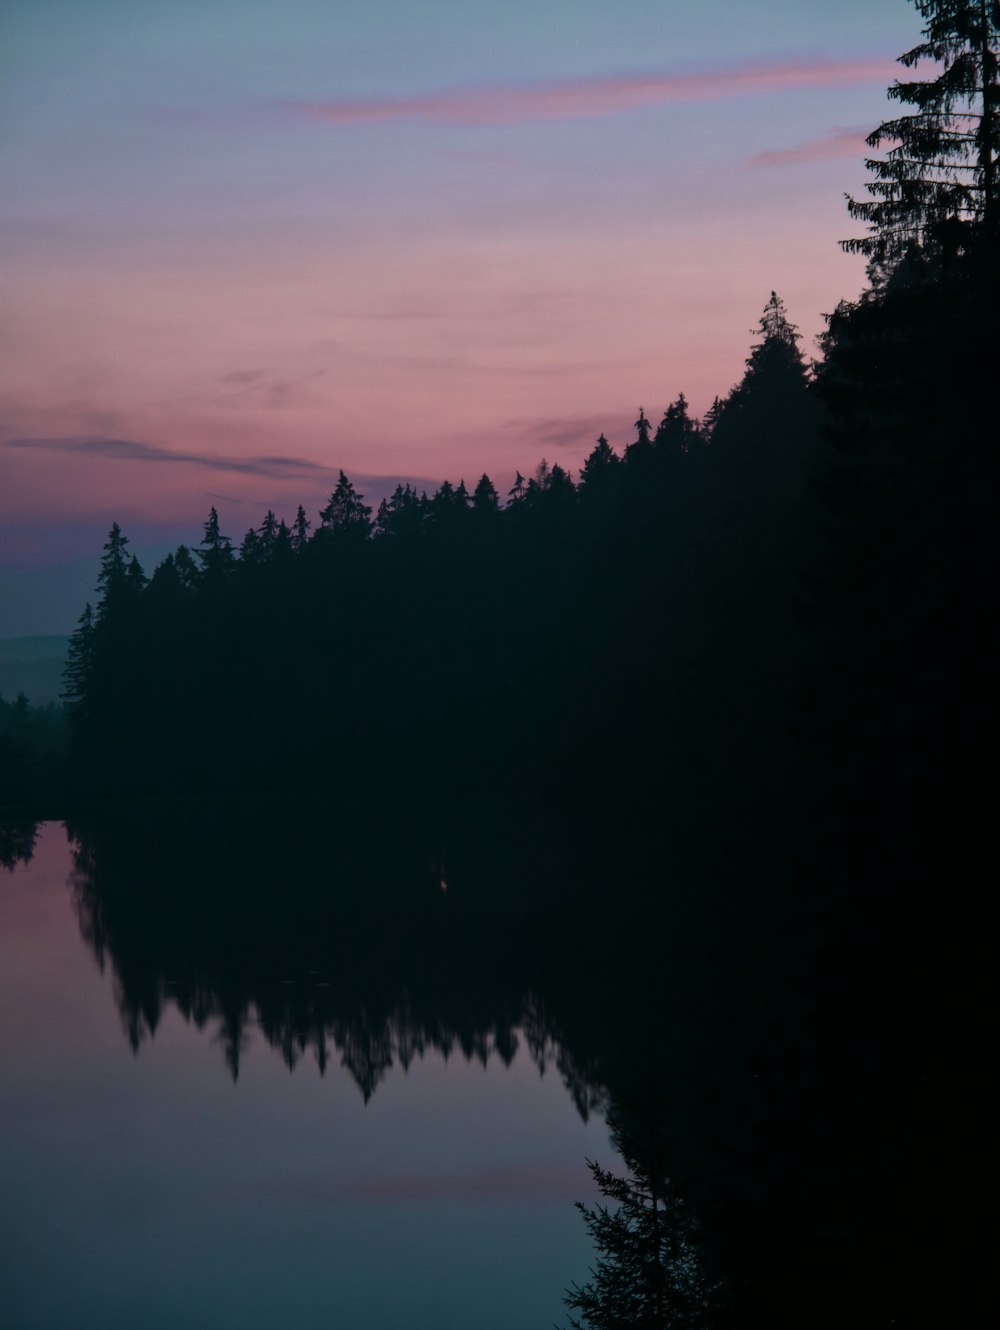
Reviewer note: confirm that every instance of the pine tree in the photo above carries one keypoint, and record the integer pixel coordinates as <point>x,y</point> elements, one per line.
<point>268,533</point>
<point>135,578</point>
<point>936,190</point>
<point>649,1274</point>
<point>484,497</point>
<point>639,451</point>
<point>187,569</point>
<point>517,491</point>
<point>251,550</point>
<point>346,514</point>
<point>677,432</point>
<point>283,547</point>
<point>777,352</point>
<point>216,553</point>
<point>711,419</point>
<point>111,579</point>
<point>768,419</point>
<point>601,461</point>
<point>300,530</point>
<point>79,665</point>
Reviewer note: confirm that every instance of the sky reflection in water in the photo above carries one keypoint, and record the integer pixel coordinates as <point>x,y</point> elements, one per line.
<point>153,1190</point>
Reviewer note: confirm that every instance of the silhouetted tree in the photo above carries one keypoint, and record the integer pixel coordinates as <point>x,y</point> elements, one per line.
<point>484,497</point>
<point>78,671</point>
<point>599,469</point>
<point>677,432</point>
<point>517,491</point>
<point>187,569</point>
<point>711,418</point>
<point>936,190</point>
<point>251,551</point>
<point>637,453</point>
<point>767,415</point>
<point>346,514</point>
<point>216,552</point>
<point>649,1274</point>
<point>300,530</point>
<point>113,575</point>
<point>268,534</point>
<point>17,839</point>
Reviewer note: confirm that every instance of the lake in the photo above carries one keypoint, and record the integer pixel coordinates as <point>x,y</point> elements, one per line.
<point>174,1154</point>
<point>299,1063</point>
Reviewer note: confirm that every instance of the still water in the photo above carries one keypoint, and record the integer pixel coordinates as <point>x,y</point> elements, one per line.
<point>426,1177</point>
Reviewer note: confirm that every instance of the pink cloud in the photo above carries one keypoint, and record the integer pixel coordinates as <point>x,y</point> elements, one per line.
<point>839,143</point>
<point>575,98</point>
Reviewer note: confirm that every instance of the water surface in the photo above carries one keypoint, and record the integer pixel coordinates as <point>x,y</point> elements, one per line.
<point>146,1184</point>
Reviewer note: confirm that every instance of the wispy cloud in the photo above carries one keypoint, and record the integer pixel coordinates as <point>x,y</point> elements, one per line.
<point>240,378</point>
<point>277,392</point>
<point>572,99</point>
<point>131,450</point>
<point>315,474</point>
<point>566,432</point>
<point>840,142</point>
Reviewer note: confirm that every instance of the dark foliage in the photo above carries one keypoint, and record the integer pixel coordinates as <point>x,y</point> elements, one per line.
<point>650,1272</point>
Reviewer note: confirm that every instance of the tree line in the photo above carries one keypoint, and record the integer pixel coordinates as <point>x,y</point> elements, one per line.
<point>460,638</point>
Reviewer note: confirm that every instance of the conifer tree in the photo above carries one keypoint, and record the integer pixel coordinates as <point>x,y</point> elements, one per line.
<point>166,591</point>
<point>936,189</point>
<point>216,553</point>
<point>711,418</point>
<point>517,491</point>
<point>251,548</point>
<point>135,578</point>
<point>677,432</point>
<point>484,497</point>
<point>283,547</point>
<point>598,471</point>
<point>113,573</point>
<point>777,352</point>
<point>768,415</point>
<point>268,533</point>
<point>300,530</point>
<point>346,513</point>
<point>187,569</point>
<point>79,665</point>
<point>649,1274</point>
<point>640,450</point>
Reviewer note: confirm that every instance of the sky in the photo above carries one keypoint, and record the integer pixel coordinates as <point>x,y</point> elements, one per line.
<point>247,243</point>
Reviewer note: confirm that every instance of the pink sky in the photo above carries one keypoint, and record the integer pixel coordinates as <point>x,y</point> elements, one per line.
<point>224,289</point>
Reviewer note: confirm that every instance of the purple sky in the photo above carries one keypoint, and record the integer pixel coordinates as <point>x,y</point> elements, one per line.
<point>250,243</point>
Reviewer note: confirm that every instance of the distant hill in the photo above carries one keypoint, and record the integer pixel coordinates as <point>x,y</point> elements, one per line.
<point>33,666</point>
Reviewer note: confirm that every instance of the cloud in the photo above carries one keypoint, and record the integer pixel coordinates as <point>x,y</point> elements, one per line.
<point>838,143</point>
<point>581,431</point>
<point>318,475</point>
<point>572,99</point>
<point>241,377</point>
<point>131,450</point>
<point>278,391</point>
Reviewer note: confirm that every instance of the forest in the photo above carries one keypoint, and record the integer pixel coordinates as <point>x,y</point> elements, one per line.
<point>763,638</point>
<point>561,634</point>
